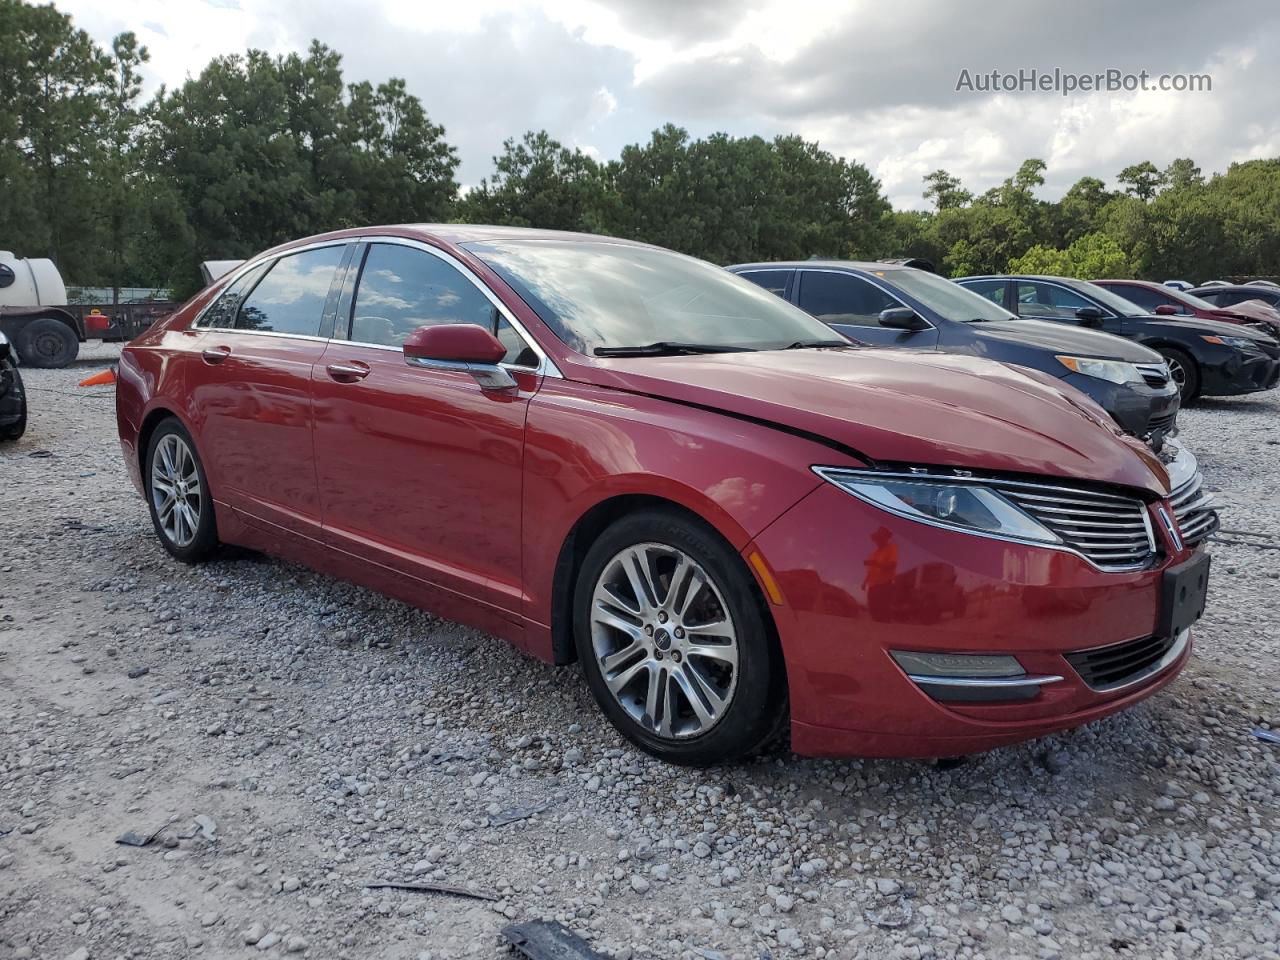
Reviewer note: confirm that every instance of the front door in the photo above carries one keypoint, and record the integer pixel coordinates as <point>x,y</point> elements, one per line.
<point>852,305</point>
<point>251,387</point>
<point>420,470</point>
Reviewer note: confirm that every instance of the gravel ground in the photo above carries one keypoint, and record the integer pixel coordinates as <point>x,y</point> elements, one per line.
<point>333,738</point>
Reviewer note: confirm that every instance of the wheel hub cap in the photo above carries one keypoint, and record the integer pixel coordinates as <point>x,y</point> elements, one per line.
<point>664,640</point>
<point>175,490</point>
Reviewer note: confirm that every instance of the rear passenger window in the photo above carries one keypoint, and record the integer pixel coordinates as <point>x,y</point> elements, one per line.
<point>291,297</point>
<point>223,311</point>
<point>843,298</point>
<point>775,281</point>
<point>993,290</point>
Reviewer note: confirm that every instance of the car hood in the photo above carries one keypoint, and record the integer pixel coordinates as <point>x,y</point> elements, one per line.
<point>1199,325</point>
<point>1258,310</point>
<point>895,406</point>
<point>1065,339</point>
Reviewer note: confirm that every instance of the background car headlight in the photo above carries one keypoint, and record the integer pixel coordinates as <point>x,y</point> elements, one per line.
<point>968,507</point>
<point>1240,343</point>
<point>1115,371</point>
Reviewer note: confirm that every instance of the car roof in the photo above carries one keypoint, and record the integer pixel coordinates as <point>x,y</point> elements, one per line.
<point>870,265</point>
<point>1020,276</point>
<point>1140,283</point>
<point>454,233</point>
<point>1229,287</point>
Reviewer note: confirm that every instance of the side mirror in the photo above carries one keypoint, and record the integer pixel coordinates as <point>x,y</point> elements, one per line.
<point>1167,310</point>
<point>902,318</point>
<point>462,348</point>
<point>1089,314</point>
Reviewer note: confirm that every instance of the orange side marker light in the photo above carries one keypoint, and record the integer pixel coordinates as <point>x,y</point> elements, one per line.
<point>766,577</point>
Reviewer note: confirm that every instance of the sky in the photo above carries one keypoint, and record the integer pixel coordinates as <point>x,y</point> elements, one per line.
<point>869,80</point>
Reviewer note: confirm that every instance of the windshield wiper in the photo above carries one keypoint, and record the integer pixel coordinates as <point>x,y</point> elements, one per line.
<point>663,348</point>
<point>814,344</point>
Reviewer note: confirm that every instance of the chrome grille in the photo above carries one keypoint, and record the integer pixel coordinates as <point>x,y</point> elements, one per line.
<point>1193,508</point>
<point>1155,374</point>
<point>1162,424</point>
<point>1111,530</point>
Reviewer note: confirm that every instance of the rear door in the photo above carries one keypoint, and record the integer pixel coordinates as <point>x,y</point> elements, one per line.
<point>852,305</point>
<point>252,388</point>
<point>420,470</point>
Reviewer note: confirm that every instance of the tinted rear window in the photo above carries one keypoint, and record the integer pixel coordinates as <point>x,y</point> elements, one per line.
<point>290,298</point>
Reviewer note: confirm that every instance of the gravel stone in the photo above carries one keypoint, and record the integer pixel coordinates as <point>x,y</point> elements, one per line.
<point>339,738</point>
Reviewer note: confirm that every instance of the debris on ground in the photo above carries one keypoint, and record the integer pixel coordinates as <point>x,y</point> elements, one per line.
<point>543,940</point>
<point>416,886</point>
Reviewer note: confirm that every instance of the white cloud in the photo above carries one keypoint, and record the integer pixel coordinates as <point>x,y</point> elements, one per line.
<point>871,81</point>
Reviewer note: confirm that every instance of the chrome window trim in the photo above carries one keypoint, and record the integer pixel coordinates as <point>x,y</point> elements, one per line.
<point>545,367</point>
<point>823,471</point>
<point>858,276</point>
<point>246,267</point>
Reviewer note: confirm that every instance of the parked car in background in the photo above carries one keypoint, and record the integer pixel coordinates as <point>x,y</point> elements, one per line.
<point>602,450</point>
<point>898,306</point>
<point>1236,296</point>
<point>1159,299</point>
<point>1179,284</point>
<point>13,397</point>
<point>1205,357</point>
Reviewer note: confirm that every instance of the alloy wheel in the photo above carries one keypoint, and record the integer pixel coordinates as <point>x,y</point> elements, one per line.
<point>1178,373</point>
<point>176,492</point>
<point>664,640</point>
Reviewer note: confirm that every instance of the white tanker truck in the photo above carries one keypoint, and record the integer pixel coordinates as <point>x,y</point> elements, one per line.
<point>44,329</point>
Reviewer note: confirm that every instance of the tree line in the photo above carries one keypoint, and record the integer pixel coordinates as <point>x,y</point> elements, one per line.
<point>256,150</point>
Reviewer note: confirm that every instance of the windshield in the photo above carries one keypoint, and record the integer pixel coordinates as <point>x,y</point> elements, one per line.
<point>1198,302</point>
<point>948,299</point>
<point>599,295</point>
<point>1108,298</point>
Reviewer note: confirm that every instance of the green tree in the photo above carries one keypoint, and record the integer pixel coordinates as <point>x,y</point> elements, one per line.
<point>1141,180</point>
<point>945,190</point>
<point>538,182</point>
<point>1182,172</point>
<point>52,80</point>
<point>1093,256</point>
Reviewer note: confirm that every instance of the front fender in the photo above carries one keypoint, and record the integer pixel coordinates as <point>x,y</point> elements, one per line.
<point>585,445</point>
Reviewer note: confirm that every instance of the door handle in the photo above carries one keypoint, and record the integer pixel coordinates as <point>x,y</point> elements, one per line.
<point>215,354</point>
<point>347,372</point>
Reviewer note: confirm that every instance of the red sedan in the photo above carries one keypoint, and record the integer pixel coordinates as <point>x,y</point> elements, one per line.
<point>1166,301</point>
<point>607,452</point>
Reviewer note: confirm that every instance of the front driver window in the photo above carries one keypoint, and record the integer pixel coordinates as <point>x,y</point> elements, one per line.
<point>843,298</point>
<point>1048,300</point>
<point>402,289</point>
<point>992,290</point>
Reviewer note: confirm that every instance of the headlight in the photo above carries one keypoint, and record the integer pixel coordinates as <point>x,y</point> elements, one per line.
<point>1240,343</point>
<point>1115,371</point>
<point>968,507</point>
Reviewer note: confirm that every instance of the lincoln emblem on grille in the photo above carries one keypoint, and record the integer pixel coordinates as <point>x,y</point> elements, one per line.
<point>1171,525</point>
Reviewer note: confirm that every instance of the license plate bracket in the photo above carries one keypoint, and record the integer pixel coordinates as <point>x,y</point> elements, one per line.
<point>1184,590</point>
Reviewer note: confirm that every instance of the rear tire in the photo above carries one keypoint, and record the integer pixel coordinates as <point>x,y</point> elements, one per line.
<point>1185,372</point>
<point>675,643</point>
<point>47,343</point>
<point>178,494</point>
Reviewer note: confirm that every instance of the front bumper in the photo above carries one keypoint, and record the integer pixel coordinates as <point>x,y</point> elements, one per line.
<point>947,592</point>
<point>13,398</point>
<point>1228,372</point>
<point>1139,409</point>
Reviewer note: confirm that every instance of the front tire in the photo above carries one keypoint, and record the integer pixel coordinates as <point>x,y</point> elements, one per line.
<point>15,429</point>
<point>1184,371</point>
<point>674,641</point>
<point>178,494</point>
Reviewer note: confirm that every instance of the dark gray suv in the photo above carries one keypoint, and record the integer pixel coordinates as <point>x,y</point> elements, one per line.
<point>897,306</point>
